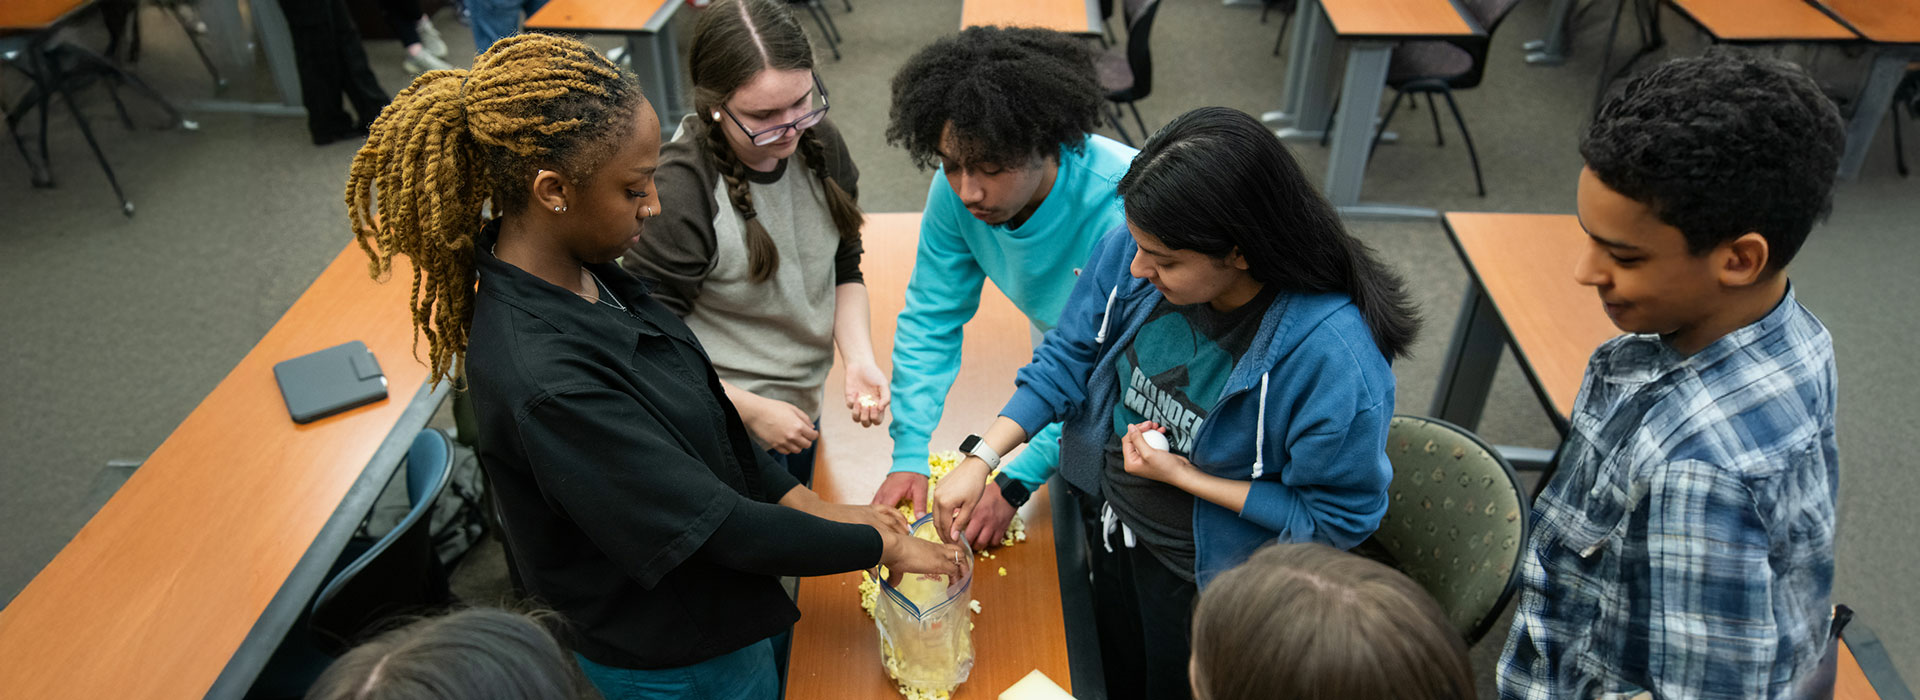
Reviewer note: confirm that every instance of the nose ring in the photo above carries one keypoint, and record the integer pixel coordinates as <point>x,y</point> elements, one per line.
<point>648,210</point>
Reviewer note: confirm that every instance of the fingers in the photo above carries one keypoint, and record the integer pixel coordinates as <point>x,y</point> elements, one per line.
<point>918,490</point>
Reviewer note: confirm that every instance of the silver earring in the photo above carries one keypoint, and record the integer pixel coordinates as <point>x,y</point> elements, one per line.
<point>716,116</point>
<point>557,208</point>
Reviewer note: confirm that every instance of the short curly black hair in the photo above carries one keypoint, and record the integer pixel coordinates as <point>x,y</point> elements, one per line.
<point>1720,145</point>
<point>1010,93</point>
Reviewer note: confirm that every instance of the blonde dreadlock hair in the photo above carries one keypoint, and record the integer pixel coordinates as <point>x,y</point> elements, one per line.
<point>734,41</point>
<point>454,141</point>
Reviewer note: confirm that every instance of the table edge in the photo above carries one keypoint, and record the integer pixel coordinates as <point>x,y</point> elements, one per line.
<point>308,574</point>
<point>1702,26</point>
<point>1562,417</point>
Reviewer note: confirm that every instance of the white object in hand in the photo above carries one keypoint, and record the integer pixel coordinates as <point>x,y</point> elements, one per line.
<point>869,401</point>
<point>1155,439</point>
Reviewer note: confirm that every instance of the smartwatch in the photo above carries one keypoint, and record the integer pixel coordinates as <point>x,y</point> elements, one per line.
<point>1011,489</point>
<point>977,446</point>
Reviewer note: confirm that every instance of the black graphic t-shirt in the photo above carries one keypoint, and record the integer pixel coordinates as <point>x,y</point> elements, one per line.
<point>1172,373</point>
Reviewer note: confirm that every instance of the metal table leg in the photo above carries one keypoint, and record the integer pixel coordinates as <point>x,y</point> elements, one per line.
<point>1309,68</point>
<point>1876,98</point>
<point>1472,357</point>
<point>1551,50</point>
<point>1366,79</point>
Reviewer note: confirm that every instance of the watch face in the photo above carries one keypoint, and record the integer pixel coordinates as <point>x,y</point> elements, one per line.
<point>967,446</point>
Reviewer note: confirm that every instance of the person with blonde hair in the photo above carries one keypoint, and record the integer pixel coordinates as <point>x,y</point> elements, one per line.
<point>632,501</point>
<point>1303,620</point>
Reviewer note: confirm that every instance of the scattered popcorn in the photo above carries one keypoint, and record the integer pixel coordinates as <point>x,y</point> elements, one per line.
<point>975,604</point>
<point>869,401</point>
<point>1003,571</point>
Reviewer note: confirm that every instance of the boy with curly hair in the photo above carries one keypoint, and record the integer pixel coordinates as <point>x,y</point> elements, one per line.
<point>1684,548</point>
<point>1025,190</point>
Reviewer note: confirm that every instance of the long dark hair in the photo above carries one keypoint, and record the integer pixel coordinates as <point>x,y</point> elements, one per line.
<point>1215,180</point>
<point>734,41</point>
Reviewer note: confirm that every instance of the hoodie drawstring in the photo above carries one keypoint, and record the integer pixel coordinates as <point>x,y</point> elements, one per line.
<point>1108,523</point>
<point>1260,429</point>
<point>1105,318</point>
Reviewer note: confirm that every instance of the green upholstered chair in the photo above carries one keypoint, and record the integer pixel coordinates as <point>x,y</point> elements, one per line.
<point>1456,520</point>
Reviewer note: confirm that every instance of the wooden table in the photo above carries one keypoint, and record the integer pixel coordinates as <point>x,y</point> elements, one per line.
<point>1521,295</point>
<point>25,16</point>
<point>836,649</point>
<point>1071,16</point>
<point>1895,26</point>
<point>1747,21</point>
<point>650,44</point>
<point>1371,28</point>
<point>186,581</point>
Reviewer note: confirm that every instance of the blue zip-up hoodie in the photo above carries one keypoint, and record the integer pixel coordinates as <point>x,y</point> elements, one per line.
<point>1303,416</point>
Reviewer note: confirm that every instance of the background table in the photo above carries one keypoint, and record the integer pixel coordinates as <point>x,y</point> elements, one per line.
<point>650,44</point>
<point>1071,16</point>
<point>1522,295</point>
<point>1371,28</point>
<point>836,649</point>
<point>186,581</point>
<point>1894,26</point>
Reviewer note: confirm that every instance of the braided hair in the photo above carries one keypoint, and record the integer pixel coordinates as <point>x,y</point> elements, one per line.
<point>734,41</point>
<point>457,140</point>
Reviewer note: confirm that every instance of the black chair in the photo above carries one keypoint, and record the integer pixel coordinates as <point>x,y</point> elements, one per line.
<point>1126,73</point>
<point>372,581</point>
<point>1287,8</point>
<point>828,32</point>
<point>123,22</point>
<point>1443,66</point>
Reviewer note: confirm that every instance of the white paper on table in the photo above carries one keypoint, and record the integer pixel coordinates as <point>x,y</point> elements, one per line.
<point>1035,686</point>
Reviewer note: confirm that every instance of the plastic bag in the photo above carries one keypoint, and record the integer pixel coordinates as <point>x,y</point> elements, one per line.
<point>926,633</point>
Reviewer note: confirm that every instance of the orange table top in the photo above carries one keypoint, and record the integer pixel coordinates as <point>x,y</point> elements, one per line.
<point>1886,21</point>
<point>836,649</point>
<point>158,591</point>
<point>35,15</point>
<point>1071,16</point>
<point>1525,264</point>
<point>1396,18</point>
<point>1764,20</point>
<point>611,16</point>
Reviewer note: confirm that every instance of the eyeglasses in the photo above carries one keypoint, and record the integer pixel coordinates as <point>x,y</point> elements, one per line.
<point>774,133</point>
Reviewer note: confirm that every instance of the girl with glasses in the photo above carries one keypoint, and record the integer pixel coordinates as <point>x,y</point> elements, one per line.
<point>758,246</point>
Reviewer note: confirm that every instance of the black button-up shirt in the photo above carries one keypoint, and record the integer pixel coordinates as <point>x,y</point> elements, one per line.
<point>620,469</point>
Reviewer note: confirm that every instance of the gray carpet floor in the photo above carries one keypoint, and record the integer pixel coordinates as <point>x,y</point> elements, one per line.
<point>115,328</point>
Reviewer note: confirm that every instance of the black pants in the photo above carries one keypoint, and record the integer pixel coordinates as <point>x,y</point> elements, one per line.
<point>332,63</point>
<point>402,16</point>
<point>1144,613</point>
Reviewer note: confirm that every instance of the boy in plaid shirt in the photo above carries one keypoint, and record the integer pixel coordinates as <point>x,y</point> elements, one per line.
<point>1684,548</point>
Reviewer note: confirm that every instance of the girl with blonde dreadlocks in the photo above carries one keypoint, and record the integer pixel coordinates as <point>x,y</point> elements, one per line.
<point>632,500</point>
<point>759,249</point>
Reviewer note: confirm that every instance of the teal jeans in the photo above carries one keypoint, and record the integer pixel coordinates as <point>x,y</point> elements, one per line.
<point>747,674</point>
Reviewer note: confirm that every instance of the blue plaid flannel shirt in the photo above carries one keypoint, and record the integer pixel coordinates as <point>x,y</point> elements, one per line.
<point>1685,546</point>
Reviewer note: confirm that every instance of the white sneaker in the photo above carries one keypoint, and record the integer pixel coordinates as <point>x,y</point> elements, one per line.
<point>430,38</point>
<point>425,62</point>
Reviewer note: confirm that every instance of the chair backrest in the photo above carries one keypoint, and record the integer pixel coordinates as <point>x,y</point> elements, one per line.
<point>1488,14</point>
<point>1139,17</point>
<point>398,573</point>
<point>1456,520</point>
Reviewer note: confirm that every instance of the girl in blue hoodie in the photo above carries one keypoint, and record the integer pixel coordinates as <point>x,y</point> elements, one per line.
<point>1235,316</point>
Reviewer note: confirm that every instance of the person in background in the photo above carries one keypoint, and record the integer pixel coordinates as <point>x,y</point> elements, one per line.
<point>332,63</point>
<point>1684,546</point>
<point>425,49</point>
<point>1301,621</point>
<point>1022,193</point>
<point>473,654</point>
<point>758,249</point>
<point>632,501</point>
<point>493,20</point>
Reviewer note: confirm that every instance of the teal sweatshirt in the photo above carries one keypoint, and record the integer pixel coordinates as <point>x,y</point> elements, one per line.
<point>1034,264</point>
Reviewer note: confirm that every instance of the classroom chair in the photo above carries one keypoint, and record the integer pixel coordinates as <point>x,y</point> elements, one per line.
<point>1908,96</point>
<point>1443,66</point>
<point>1456,520</point>
<point>372,581</point>
<point>1287,8</point>
<point>829,33</point>
<point>1126,73</point>
<point>123,22</point>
